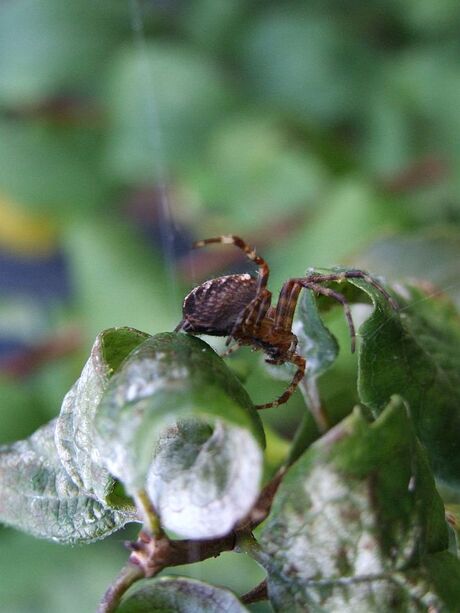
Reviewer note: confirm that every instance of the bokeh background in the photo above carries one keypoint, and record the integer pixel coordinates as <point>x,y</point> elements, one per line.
<point>324,132</point>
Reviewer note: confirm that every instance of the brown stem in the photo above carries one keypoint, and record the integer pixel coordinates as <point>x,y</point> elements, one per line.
<point>111,599</point>
<point>259,592</point>
<point>262,507</point>
<point>152,554</point>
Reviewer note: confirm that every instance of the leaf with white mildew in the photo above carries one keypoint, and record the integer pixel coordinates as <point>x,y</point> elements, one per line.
<point>39,496</point>
<point>355,521</point>
<point>74,434</point>
<point>176,422</point>
<point>53,484</point>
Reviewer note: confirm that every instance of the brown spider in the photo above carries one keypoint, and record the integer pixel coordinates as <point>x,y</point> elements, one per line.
<point>239,307</point>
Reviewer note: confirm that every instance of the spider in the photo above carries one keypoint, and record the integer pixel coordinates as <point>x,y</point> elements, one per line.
<point>239,306</point>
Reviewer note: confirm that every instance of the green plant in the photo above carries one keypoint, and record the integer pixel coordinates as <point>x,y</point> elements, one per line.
<point>159,430</point>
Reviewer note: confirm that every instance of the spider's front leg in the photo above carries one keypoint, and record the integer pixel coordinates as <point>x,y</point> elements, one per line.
<point>289,294</point>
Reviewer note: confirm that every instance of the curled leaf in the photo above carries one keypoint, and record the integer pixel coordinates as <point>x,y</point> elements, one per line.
<point>74,434</point>
<point>53,484</point>
<point>176,421</point>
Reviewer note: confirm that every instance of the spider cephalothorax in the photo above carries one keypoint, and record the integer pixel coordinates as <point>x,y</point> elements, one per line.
<point>239,307</point>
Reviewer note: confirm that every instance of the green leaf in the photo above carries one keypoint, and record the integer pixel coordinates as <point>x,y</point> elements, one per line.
<point>180,595</point>
<point>352,515</point>
<point>308,77</point>
<point>177,422</point>
<point>164,100</point>
<point>429,255</point>
<point>50,169</point>
<point>54,484</point>
<point>136,290</point>
<point>443,570</point>
<point>355,215</point>
<point>316,343</point>
<point>250,166</point>
<point>416,354</point>
<point>40,497</point>
<point>320,348</point>
<point>74,435</point>
<point>54,45</point>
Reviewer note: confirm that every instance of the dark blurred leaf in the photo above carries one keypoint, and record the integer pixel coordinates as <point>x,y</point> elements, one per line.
<point>55,45</point>
<point>443,573</point>
<point>352,515</point>
<point>164,100</point>
<point>431,255</point>
<point>354,215</point>
<point>252,165</point>
<point>51,169</point>
<point>303,63</point>
<point>416,354</point>
<point>180,595</point>
<point>176,422</point>
<point>118,280</point>
<point>213,23</point>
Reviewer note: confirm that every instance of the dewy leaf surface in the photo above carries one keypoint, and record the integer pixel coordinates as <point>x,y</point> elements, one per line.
<point>416,354</point>
<point>53,484</point>
<point>177,422</point>
<point>180,595</point>
<point>355,512</point>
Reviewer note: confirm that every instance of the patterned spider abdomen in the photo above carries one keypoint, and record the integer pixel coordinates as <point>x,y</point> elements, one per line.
<point>214,306</point>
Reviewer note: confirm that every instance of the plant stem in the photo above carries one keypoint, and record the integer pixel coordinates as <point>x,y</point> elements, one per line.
<point>111,599</point>
<point>256,594</point>
<point>150,517</point>
<point>152,554</point>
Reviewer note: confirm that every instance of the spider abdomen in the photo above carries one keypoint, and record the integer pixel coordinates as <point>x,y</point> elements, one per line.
<point>214,306</point>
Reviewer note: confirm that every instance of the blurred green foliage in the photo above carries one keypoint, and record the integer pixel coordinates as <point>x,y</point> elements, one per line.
<point>323,132</point>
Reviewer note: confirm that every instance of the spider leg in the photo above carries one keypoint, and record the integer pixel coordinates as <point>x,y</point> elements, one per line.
<point>325,291</point>
<point>230,350</point>
<point>301,364</point>
<point>231,239</point>
<point>353,274</point>
<point>251,316</point>
<point>289,294</point>
<point>287,303</point>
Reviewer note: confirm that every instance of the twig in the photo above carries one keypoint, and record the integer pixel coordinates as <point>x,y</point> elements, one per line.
<point>153,551</point>
<point>259,592</point>
<point>150,555</point>
<point>111,599</point>
<point>262,507</point>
